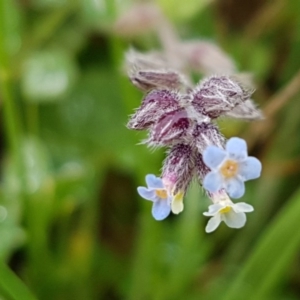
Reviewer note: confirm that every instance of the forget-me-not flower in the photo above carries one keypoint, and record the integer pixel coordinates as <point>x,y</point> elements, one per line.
<point>180,117</point>
<point>230,167</point>
<point>233,214</point>
<point>158,194</point>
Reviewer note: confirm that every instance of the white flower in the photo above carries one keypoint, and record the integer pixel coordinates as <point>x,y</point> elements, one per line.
<point>177,203</point>
<point>233,214</point>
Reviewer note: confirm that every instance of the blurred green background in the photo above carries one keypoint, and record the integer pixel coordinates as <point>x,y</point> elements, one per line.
<point>71,223</point>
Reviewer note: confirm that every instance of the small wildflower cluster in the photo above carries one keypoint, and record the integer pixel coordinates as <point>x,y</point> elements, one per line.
<point>181,119</point>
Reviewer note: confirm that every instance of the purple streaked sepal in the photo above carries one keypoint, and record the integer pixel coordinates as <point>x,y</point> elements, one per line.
<point>201,168</point>
<point>217,95</point>
<point>206,134</point>
<point>178,168</point>
<point>247,110</point>
<point>148,71</point>
<point>206,57</point>
<point>170,129</point>
<point>155,105</point>
<point>151,79</point>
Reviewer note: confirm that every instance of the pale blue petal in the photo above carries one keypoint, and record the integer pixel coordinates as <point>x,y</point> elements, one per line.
<point>235,187</point>
<point>213,157</point>
<point>250,168</point>
<point>234,220</point>
<point>242,207</point>
<point>237,148</point>
<point>146,193</point>
<point>213,209</point>
<point>213,223</point>
<point>213,182</point>
<point>161,209</point>
<point>154,182</point>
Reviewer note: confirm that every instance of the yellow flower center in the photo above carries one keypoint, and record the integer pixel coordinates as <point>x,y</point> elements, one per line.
<point>225,210</point>
<point>161,193</point>
<point>229,168</point>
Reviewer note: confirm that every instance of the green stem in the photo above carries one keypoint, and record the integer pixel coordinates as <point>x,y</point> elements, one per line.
<point>265,270</point>
<point>11,287</point>
<point>117,50</point>
<point>11,118</point>
<point>32,118</point>
<point>111,8</point>
<point>45,29</point>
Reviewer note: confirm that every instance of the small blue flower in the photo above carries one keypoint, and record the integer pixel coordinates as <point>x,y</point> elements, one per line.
<point>157,193</point>
<point>230,167</point>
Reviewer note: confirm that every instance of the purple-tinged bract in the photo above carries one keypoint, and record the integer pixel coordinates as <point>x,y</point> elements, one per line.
<point>170,129</point>
<point>217,95</point>
<point>206,134</point>
<point>178,168</point>
<point>154,106</point>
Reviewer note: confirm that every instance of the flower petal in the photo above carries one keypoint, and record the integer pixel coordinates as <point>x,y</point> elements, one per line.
<point>154,182</point>
<point>250,168</point>
<point>242,207</point>
<point>213,209</point>
<point>213,223</point>
<point>237,148</point>
<point>213,157</point>
<point>161,209</point>
<point>146,193</point>
<point>234,220</point>
<point>177,203</point>
<point>235,187</point>
<point>213,182</point>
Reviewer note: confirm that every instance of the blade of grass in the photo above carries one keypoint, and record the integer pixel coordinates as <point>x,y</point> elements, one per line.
<point>191,244</point>
<point>11,286</point>
<point>268,265</point>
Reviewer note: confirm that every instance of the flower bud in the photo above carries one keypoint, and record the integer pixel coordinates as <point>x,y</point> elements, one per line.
<point>206,57</point>
<point>247,110</point>
<point>206,134</point>
<point>201,168</point>
<point>217,95</point>
<point>140,18</point>
<point>149,71</point>
<point>156,104</point>
<point>149,80</point>
<point>178,168</point>
<point>170,129</point>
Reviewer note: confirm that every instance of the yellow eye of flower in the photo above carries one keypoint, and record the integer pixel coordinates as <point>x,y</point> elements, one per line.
<point>226,209</point>
<point>229,168</point>
<point>161,194</point>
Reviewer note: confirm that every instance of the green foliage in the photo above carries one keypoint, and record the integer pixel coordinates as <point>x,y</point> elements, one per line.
<point>47,76</point>
<point>182,10</point>
<point>71,223</point>
<point>268,265</point>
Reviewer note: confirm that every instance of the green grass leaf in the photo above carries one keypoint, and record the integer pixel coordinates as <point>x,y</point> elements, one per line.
<point>11,286</point>
<point>48,75</point>
<point>266,268</point>
<point>182,10</point>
